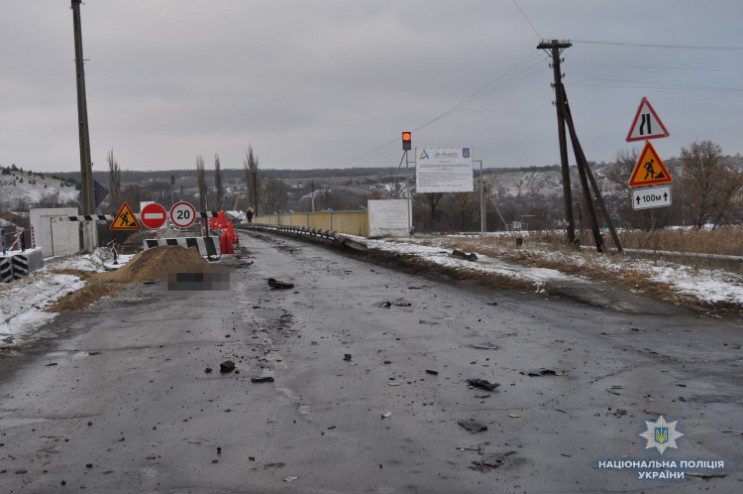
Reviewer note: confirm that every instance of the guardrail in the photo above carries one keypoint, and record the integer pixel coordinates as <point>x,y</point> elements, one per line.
<point>308,233</point>
<point>348,222</point>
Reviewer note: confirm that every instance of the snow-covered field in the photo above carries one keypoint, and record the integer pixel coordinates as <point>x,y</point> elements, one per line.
<point>22,302</point>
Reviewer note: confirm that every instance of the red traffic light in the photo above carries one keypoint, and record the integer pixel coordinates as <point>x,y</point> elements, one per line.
<point>406,141</point>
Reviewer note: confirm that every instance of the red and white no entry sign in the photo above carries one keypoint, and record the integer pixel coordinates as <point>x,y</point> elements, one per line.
<point>182,214</point>
<point>153,215</point>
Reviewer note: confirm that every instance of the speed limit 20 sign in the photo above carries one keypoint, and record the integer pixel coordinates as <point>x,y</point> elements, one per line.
<point>182,214</point>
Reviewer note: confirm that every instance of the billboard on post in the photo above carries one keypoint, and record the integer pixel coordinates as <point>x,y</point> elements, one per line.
<point>443,170</point>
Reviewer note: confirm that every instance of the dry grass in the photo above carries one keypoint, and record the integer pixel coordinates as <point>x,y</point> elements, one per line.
<point>725,240</point>
<point>549,251</point>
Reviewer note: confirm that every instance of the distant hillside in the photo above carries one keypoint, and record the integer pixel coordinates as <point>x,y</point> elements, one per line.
<point>20,189</point>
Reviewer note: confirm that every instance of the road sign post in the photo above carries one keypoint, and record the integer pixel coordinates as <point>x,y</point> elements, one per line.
<point>651,197</point>
<point>153,215</point>
<point>650,178</point>
<point>649,169</point>
<point>182,214</point>
<point>646,124</point>
<point>125,219</point>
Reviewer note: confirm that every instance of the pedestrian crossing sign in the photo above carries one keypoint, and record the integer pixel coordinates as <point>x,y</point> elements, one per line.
<point>125,219</point>
<point>649,169</point>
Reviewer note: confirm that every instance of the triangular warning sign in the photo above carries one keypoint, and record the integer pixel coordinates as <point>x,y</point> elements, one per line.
<point>649,169</point>
<point>646,124</point>
<point>125,219</point>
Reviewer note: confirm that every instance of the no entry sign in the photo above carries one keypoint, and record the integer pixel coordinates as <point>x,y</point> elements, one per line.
<point>182,214</point>
<point>153,215</point>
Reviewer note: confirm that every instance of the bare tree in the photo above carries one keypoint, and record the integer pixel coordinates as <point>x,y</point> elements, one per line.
<point>275,195</point>
<point>431,201</point>
<point>712,189</point>
<point>620,172</point>
<point>218,185</point>
<point>114,181</point>
<point>252,179</point>
<point>201,179</point>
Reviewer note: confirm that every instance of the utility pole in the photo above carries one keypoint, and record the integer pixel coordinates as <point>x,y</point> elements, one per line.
<point>82,115</point>
<point>555,48</point>
<point>586,170</point>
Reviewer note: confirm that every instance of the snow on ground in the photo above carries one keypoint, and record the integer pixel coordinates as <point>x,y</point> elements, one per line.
<point>22,302</point>
<point>436,255</point>
<point>705,285</point>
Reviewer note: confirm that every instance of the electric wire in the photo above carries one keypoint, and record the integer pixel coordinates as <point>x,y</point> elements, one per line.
<point>512,74</point>
<point>651,67</point>
<point>656,45</point>
<point>527,19</point>
<point>666,85</point>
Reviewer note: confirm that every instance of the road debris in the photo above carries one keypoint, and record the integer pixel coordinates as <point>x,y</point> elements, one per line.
<point>393,383</point>
<point>432,372</point>
<point>386,415</point>
<point>260,380</point>
<point>482,384</point>
<point>347,357</point>
<point>226,366</point>
<point>485,346</point>
<point>542,372</point>
<point>491,461</point>
<point>514,415</point>
<point>463,255</point>
<point>279,285</point>
<point>472,425</point>
<point>291,478</point>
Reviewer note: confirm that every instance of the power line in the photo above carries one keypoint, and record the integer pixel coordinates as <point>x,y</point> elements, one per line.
<point>667,85</point>
<point>527,19</point>
<point>510,75</point>
<point>655,45</point>
<point>652,67</point>
<point>489,88</point>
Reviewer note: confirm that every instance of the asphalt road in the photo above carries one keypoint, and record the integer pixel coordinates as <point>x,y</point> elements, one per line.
<point>370,370</point>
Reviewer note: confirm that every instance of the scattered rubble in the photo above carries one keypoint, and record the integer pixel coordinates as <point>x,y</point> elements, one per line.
<point>279,285</point>
<point>259,380</point>
<point>542,372</point>
<point>482,384</point>
<point>472,425</point>
<point>491,461</point>
<point>458,254</point>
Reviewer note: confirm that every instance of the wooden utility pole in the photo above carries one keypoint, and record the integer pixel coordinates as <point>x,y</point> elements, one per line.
<point>86,189</point>
<point>580,157</point>
<point>565,117</point>
<point>555,48</point>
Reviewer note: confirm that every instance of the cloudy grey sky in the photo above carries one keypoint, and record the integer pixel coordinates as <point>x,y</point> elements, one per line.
<point>333,83</point>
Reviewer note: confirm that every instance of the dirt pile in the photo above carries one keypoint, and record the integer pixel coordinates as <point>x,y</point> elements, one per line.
<point>151,264</point>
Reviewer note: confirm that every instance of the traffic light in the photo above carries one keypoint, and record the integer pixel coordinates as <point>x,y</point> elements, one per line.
<point>406,141</point>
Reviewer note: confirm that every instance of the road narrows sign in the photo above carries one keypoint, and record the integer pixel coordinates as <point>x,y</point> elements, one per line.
<point>182,214</point>
<point>153,215</point>
<point>125,219</point>
<point>649,169</point>
<point>646,124</point>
